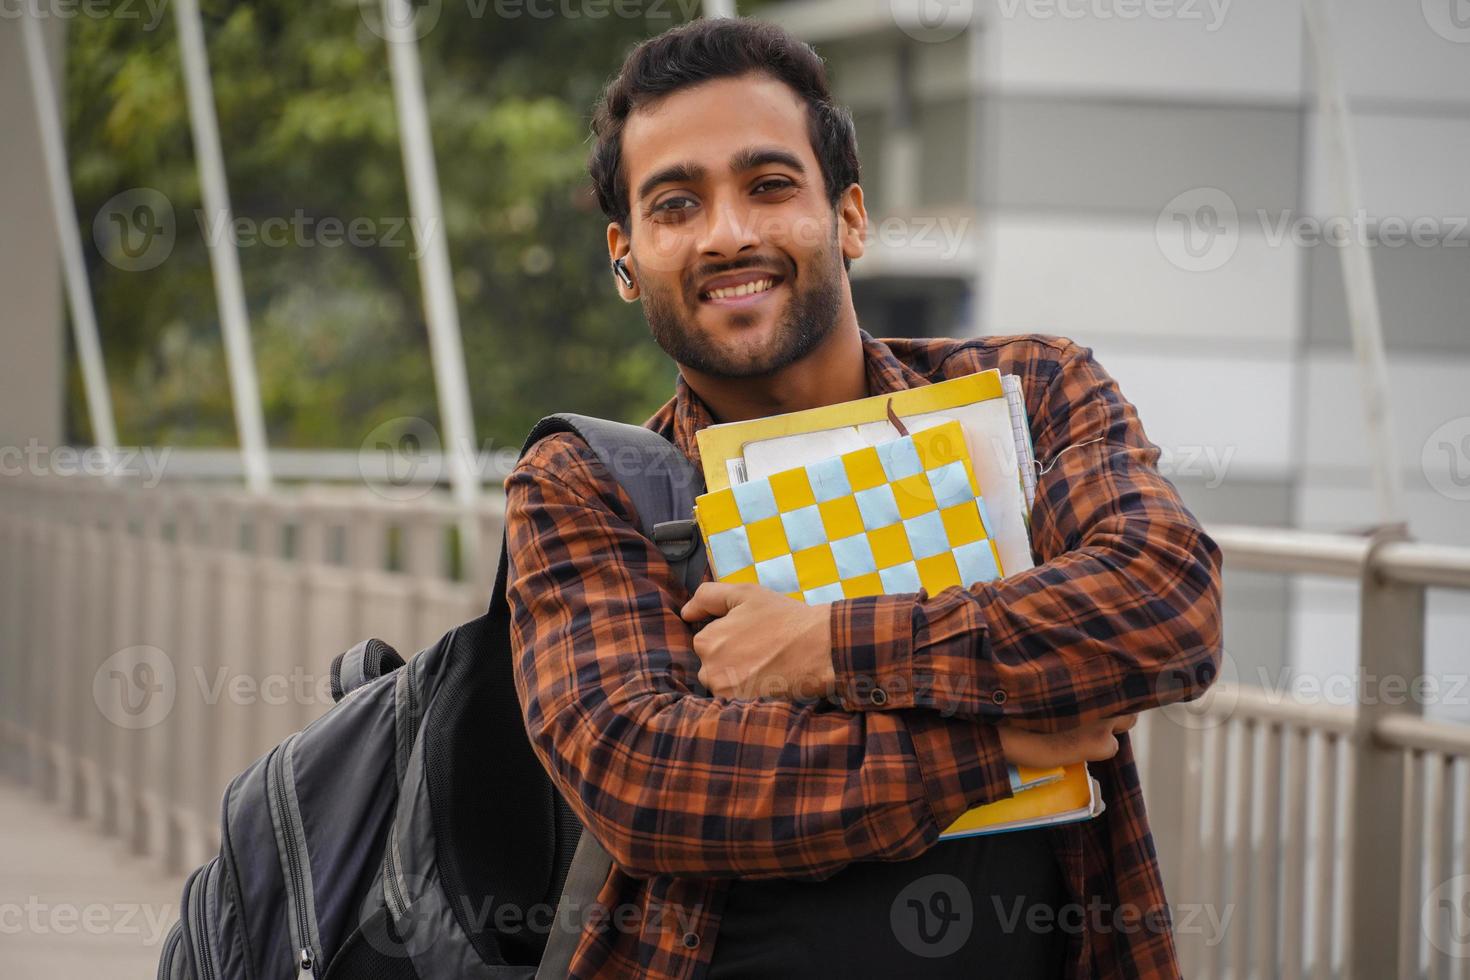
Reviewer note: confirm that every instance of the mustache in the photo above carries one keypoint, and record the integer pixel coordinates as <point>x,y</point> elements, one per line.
<point>709,272</point>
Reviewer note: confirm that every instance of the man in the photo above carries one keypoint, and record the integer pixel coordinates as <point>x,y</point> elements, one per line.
<point>777,837</point>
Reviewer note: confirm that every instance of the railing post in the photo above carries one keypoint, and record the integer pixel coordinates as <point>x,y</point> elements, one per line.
<point>1391,645</point>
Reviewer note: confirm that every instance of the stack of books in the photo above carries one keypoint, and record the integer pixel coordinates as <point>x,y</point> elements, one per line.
<point>928,488</point>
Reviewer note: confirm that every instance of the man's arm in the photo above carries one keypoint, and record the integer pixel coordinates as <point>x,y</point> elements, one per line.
<point>1124,614</point>
<point>676,783</point>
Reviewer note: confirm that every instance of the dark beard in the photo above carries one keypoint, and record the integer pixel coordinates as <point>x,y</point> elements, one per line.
<point>808,320</point>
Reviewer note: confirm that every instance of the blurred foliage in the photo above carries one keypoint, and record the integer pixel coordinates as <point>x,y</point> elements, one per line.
<point>305,106</point>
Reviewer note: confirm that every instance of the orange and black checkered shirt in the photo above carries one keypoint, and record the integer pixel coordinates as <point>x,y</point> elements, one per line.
<point>1121,614</point>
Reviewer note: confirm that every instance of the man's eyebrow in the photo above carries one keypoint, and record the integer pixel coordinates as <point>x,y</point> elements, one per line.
<point>746,159</point>
<point>761,156</point>
<point>677,173</point>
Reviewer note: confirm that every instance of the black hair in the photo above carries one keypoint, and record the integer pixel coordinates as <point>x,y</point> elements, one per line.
<point>718,48</point>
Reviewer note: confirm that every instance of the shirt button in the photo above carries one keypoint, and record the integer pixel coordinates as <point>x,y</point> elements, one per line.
<point>878,696</point>
<point>998,697</point>
<point>691,940</point>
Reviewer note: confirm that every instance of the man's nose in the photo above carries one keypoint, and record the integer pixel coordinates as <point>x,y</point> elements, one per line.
<point>730,231</point>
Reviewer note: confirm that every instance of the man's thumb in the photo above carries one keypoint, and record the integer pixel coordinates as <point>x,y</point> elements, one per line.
<point>710,599</point>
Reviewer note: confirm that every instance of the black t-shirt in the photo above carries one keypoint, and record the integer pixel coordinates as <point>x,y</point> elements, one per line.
<point>976,907</point>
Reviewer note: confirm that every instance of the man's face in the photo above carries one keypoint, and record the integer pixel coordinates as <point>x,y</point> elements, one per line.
<point>726,193</point>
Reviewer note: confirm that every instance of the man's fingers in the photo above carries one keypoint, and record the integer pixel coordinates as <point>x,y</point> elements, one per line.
<point>710,599</point>
<point>1104,749</point>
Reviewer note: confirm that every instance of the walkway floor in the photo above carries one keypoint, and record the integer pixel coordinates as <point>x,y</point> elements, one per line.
<point>75,905</point>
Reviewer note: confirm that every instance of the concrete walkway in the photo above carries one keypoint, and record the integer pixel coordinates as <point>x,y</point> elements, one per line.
<point>74,905</point>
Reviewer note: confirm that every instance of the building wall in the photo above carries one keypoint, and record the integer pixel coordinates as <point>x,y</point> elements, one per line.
<point>1096,138</point>
<point>31,338</point>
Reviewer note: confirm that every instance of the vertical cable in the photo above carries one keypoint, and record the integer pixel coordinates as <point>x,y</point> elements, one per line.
<point>224,257</point>
<point>64,210</point>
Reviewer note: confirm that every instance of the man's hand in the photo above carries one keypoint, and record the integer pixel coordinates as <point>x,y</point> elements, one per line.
<point>1094,742</point>
<point>760,643</point>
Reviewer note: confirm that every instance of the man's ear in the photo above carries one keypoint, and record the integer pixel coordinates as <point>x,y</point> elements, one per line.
<point>619,246</point>
<point>852,222</point>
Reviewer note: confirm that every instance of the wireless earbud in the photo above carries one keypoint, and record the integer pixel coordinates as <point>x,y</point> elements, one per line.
<point>620,269</point>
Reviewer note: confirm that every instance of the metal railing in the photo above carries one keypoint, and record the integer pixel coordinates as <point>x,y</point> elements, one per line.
<point>1297,840</point>
<point>159,640</point>
<point>1323,836</point>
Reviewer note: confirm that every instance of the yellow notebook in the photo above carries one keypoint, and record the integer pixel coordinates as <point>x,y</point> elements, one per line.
<point>733,452</point>
<point>896,517</point>
<point>1074,796</point>
<point>899,516</point>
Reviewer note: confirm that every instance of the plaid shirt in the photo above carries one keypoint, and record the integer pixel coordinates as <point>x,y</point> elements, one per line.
<point>1121,614</point>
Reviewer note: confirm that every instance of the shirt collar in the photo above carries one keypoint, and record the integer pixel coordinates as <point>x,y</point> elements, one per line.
<point>886,374</point>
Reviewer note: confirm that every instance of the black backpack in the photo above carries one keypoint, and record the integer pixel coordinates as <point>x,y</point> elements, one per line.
<point>410,832</point>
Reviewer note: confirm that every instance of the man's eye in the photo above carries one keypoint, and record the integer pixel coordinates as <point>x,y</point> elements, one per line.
<point>667,205</point>
<point>775,183</point>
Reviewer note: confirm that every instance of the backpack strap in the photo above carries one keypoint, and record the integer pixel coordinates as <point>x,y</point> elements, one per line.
<point>367,661</point>
<point>662,484</point>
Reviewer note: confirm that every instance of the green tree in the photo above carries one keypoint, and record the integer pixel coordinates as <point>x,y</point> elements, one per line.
<point>305,106</point>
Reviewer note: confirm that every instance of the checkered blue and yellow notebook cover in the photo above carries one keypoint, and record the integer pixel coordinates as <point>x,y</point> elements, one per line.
<point>895,517</point>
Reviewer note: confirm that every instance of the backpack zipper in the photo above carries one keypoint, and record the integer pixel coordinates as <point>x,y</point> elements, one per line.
<point>291,836</point>
<point>170,950</point>
<point>392,891</point>
<point>199,916</point>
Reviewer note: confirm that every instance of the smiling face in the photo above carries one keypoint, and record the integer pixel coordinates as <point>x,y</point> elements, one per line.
<point>735,250</point>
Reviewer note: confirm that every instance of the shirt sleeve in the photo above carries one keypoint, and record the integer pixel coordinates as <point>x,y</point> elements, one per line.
<point>674,782</point>
<point>1121,614</point>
